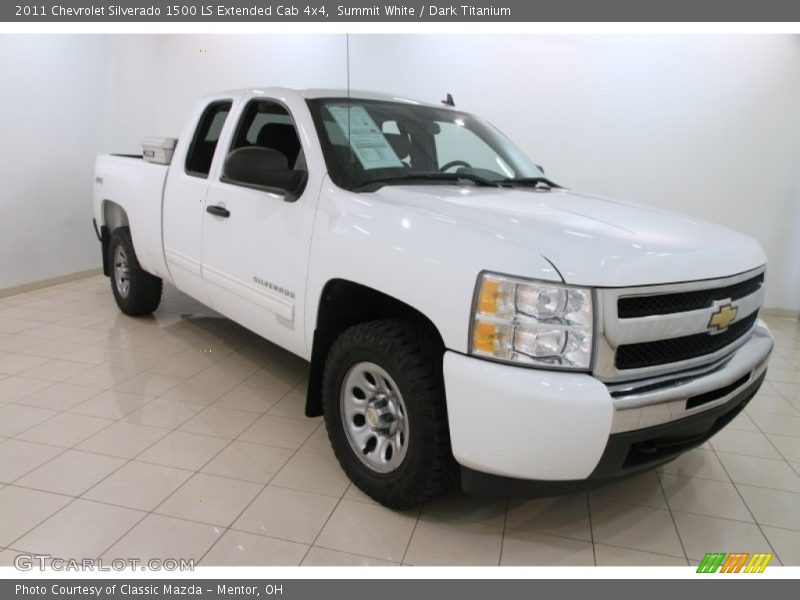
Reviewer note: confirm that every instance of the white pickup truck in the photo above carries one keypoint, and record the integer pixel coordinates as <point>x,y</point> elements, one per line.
<point>466,319</point>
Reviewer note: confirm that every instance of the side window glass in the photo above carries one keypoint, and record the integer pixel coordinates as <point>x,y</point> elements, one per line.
<point>269,125</point>
<point>206,136</point>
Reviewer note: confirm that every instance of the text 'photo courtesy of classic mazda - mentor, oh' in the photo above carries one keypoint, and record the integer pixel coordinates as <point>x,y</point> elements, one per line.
<point>467,320</point>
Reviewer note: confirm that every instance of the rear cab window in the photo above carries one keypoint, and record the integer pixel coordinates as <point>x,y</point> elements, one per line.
<point>206,136</point>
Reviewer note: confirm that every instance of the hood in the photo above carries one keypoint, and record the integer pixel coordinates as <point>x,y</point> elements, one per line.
<point>590,240</point>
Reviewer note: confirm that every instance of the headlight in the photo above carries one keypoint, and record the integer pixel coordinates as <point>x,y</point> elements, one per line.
<point>534,323</point>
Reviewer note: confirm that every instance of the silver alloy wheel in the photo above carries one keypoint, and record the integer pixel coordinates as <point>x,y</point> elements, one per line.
<point>374,417</point>
<point>122,271</point>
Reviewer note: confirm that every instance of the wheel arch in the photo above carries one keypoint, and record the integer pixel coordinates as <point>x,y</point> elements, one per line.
<point>113,217</point>
<point>344,303</point>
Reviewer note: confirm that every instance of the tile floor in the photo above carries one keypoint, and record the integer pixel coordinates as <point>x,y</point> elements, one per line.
<point>182,435</point>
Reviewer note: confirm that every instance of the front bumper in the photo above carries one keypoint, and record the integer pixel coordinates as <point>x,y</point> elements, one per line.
<point>517,430</point>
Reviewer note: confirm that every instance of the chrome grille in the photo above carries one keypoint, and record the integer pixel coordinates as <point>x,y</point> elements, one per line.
<point>630,307</point>
<point>660,352</point>
<point>671,331</point>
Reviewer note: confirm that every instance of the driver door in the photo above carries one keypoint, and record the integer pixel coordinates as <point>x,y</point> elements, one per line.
<point>255,243</point>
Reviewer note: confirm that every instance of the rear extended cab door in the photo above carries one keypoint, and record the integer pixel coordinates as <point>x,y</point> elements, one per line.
<point>255,258</point>
<point>185,193</point>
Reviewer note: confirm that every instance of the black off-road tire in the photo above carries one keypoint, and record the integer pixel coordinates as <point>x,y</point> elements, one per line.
<point>412,356</point>
<point>144,290</point>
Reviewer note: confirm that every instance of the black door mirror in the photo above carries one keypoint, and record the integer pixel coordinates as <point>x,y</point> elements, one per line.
<point>264,169</point>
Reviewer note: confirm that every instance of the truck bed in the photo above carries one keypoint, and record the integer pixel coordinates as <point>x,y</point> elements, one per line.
<point>127,180</point>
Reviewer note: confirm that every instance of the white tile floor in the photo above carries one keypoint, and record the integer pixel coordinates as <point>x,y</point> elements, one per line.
<point>182,435</point>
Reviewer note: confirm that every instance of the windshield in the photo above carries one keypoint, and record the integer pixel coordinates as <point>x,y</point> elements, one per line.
<point>395,143</point>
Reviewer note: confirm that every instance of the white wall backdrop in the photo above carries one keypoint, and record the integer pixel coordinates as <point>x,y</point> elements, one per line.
<point>54,111</point>
<point>707,125</point>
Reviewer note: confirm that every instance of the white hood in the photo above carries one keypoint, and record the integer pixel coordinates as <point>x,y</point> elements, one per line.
<point>590,240</point>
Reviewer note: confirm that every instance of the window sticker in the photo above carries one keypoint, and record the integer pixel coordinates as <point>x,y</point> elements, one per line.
<point>369,145</point>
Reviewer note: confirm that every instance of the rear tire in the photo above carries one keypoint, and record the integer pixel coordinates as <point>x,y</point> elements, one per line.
<point>136,292</point>
<point>406,361</point>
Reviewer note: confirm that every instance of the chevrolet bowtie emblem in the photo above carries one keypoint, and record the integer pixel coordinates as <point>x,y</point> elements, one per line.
<point>723,317</point>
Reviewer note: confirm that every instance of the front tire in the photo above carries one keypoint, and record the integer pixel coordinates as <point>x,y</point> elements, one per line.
<point>385,411</point>
<point>136,291</point>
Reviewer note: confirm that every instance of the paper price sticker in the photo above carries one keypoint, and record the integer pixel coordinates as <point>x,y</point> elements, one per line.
<point>369,145</point>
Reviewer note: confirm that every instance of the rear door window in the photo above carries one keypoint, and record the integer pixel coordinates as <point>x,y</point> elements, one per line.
<point>206,136</point>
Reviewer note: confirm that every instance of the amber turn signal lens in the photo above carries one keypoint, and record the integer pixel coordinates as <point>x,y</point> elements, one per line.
<point>483,336</point>
<point>487,298</point>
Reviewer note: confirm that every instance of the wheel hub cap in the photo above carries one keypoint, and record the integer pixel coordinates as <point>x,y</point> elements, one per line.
<point>382,414</point>
<point>122,272</point>
<point>374,417</point>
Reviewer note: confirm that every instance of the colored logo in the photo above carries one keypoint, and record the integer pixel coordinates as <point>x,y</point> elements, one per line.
<point>735,562</point>
<point>722,317</point>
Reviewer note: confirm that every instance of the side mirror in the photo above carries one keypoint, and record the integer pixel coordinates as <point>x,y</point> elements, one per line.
<point>264,169</point>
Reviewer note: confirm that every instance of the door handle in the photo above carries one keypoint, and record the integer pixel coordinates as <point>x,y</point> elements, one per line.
<point>218,211</point>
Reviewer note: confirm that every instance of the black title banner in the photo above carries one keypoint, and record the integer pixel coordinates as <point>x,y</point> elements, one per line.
<point>456,11</point>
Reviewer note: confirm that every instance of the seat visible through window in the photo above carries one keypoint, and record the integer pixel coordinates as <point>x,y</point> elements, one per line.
<point>281,137</point>
<point>268,124</point>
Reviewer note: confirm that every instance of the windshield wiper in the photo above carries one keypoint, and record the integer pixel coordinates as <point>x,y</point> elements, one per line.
<point>372,186</point>
<point>530,181</point>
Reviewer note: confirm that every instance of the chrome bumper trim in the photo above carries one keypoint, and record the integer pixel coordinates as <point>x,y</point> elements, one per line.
<point>667,403</point>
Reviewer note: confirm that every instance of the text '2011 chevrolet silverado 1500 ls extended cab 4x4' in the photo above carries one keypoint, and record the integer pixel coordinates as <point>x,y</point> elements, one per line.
<point>466,319</point>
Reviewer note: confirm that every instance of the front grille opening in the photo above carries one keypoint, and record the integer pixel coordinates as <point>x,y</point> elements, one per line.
<point>665,304</point>
<point>701,399</point>
<point>661,352</point>
<point>657,449</point>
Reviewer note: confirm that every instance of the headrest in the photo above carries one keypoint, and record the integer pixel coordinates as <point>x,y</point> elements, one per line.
<point>281,137</point>
<point>273,134</point>
<point>400,144</point>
